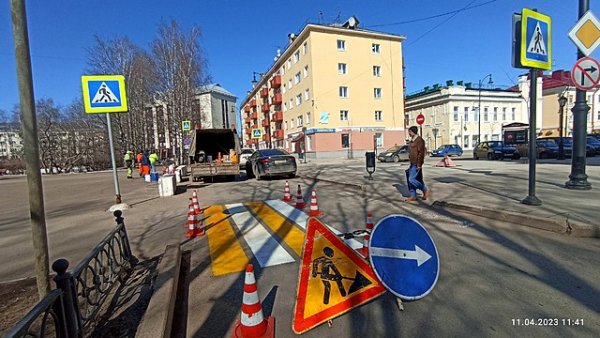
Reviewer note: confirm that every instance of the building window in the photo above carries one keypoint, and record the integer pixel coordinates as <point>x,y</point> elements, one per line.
<point>289,63</point>
<point>300,121</point>
<point>342,68</point>
<point>341,45</point>
<point>514,114</point>
<point>285,106</point>
<point>495,137</point>
<point>297,78</point>
<point>504,114</point>
<point>306,95</point>
<point>486,116</point>
<point>475,140</point>
<point>305,71</point>
<point>296,56</point>
<point>375,48</point>
<point>291,103</point>
<point>343,115</point>
<point>308,118</point>
<point>298,99</point>
<point>285,125</point>
<point>475,114</point>
<point>343,92</point>
<point>377,93</point>
<point>466,118</point>
<point>291,123</point>
<point>495,114</point>
<point>455,113</point>
<point>466,140</point>
<point>282,71</point>
<point>290,84</point>
<point>378,115</point>
<point>304,48</point>
<point>283,89</point>
<point>345,140</point>
<point>376,71</point>
<point>598,117</point>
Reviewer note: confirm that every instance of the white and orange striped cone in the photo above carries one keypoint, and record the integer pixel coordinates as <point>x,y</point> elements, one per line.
<point>197,210</point>
<point>364,251</point>
<point>314,207</point>
<point>252,323</point>
<point>299,199</point>
<point>190,210</point>
<point>191,224</point>
<point>287,195</point>
<point>198,226</point>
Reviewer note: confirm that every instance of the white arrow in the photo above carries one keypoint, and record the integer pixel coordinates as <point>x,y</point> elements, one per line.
<point>419,254</point>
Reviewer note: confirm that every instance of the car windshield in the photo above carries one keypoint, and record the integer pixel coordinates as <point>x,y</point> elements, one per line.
<point>247,151</point>
<point>393,149</point>
<point>272,152</point>
<point>593,140</point>
<point>443,147</point>
<point>495,144</point>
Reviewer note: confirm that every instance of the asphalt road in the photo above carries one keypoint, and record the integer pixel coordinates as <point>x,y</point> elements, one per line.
<point>492,276</point>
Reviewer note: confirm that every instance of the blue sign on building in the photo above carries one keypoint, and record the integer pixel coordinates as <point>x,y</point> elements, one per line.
<point>404,257</point>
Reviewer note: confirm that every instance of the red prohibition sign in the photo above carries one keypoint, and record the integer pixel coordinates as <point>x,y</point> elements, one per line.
<point>420,119</point>
<point>586,73</point>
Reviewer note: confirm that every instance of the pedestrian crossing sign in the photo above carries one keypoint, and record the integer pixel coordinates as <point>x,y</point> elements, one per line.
<point>104,94</point>
<point>333,279</point>
<point>536,40</point>
<point>256,133</point>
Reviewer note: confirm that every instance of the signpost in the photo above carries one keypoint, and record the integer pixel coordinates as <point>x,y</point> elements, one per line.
<point>106,94</point>
<point>333,279</point>
<point>404,257</point>
<point>586,73</point>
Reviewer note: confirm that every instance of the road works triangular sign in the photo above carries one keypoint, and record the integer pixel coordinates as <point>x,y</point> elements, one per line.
<point>333,279</point>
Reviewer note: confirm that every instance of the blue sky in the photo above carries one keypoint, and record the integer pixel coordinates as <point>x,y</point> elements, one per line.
<point>240,37</point>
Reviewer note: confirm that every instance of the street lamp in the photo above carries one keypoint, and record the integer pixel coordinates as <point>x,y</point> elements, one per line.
<point>490,82</point>
<point>562,101</point>
<point>254,80</point>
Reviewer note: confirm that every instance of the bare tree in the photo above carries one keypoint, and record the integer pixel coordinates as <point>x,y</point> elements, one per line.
<point>181,68</point>
<point>48,116</point>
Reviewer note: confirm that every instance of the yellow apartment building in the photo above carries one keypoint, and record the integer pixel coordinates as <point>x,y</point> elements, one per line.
<point>336,91</point>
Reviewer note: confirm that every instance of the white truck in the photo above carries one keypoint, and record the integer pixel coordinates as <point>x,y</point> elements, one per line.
<point>214,153</point>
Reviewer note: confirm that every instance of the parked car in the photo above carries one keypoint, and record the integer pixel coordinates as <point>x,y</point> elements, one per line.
<point>568,145</point>
<point>495,150</point>
<point>271,162</point>
<point>547,149</point>
<point>447,149</point>
<point>593,143</point>
<point>244,155</point>
<point>394,154</point>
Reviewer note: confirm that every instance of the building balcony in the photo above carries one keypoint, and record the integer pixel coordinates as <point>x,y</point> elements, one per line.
<point>247,109</point>
<point>265,107</point>
<point>248,119</point>
<point>254,116</point>
<point>253,103</point>
<point>248,130</point>
<point>278,116</point>
<point>278,134</point>
<point>276,99</point>
<point>276,81</point>
<point>266,137</point>
<point>266,123</point>
<point>264,92</point>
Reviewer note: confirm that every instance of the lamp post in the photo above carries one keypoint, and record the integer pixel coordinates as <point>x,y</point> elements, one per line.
<point>490,82</point>
<point>562,101</point>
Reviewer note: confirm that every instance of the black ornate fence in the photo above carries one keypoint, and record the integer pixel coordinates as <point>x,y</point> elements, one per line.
<point>70,310</point>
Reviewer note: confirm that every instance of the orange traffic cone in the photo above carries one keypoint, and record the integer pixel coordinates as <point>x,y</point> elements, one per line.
<point>197,210</point>
<point>287,196</point>
<point>369,227</point>
<point>299,199</point>
<point>314,207</point>
<point>448,162</point>
<point>198,226</point>
<point>191,223</point>
<point>252,323</point>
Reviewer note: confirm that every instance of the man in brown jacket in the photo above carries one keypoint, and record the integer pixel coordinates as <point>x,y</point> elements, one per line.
<point>416,157</point>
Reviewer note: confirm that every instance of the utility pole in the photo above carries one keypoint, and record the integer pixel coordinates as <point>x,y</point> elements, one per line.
<point>31,148</point>
<point>578,178</point>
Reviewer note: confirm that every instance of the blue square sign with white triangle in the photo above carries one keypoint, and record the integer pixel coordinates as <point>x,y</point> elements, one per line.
<point>104,93</point>
<point>536,40</point>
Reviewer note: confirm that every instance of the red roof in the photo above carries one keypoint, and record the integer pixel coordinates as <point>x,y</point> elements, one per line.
<point>558,78</point>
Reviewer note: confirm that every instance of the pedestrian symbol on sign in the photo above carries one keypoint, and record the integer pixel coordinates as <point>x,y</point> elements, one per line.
<point>537,44</point>
<point>104,94</point>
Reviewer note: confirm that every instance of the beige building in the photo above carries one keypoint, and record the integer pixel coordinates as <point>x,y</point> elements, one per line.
<point>452,113</point>
<point>334,92</point>
<point>11,143</point>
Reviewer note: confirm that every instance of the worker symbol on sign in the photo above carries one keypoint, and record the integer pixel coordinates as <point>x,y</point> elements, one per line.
<point>328,272</point>
<point>104,94</point>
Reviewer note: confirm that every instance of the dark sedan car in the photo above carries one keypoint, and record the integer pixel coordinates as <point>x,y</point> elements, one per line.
<point>495,150</point>
<point>271,162</point>
<point>594,143</point>
<point>547,149</point>
<point>394,154</point>
<point>447,149</point>
<point>568,145</point>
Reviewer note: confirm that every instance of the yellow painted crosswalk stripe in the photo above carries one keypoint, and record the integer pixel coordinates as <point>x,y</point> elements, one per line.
<point>280,225</point>
<point>225,251</point>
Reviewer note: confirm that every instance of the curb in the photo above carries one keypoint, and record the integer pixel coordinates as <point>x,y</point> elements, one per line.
<point>353,185</point>
<point>561,226</point>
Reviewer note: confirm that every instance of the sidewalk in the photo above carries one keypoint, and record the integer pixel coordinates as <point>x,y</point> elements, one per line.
<point>492,189</point>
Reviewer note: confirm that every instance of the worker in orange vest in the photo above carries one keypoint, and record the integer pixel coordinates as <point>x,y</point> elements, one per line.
<point>138,158</point>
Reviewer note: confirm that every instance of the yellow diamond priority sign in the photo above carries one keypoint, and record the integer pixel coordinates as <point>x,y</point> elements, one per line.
<point>586,33</point>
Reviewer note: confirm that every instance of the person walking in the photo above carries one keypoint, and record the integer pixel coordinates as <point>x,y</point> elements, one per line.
<point>416,157</point>
<point>129,163</point>
<point>153,159</point>
<point>139,158</point>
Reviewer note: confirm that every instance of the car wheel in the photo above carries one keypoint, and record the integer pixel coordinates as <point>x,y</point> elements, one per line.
<point>460,154</point>
<point>396,158</point>
<point>490,156</point>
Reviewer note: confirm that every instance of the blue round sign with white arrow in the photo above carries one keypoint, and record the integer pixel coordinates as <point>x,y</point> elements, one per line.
<point>404,257</point>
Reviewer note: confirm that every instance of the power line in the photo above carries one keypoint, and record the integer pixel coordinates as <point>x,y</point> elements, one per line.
<point>433,16</point>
